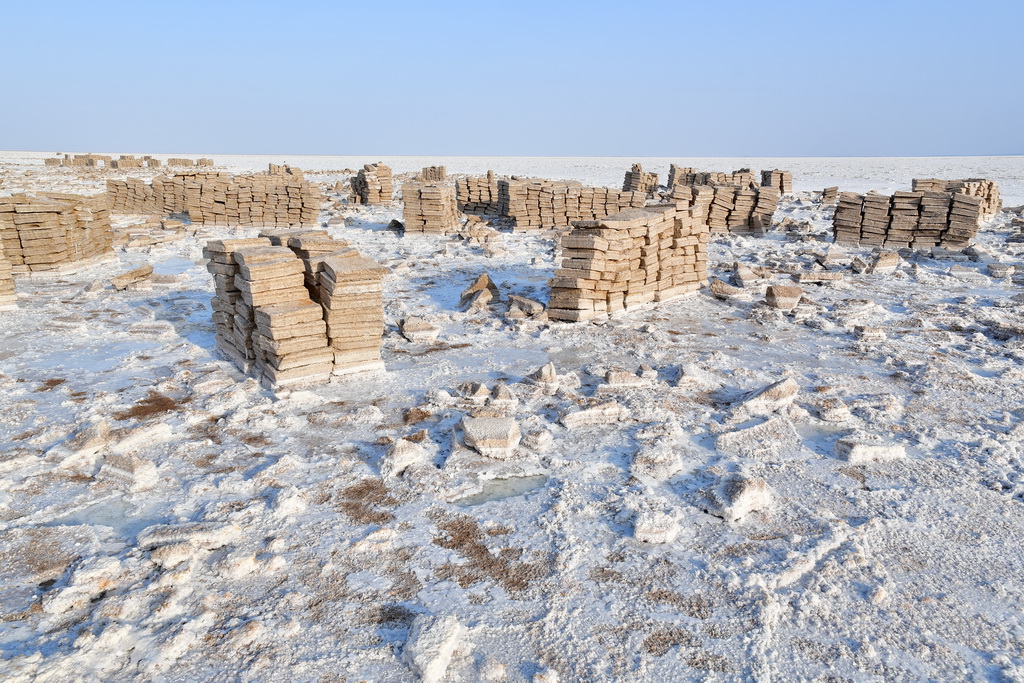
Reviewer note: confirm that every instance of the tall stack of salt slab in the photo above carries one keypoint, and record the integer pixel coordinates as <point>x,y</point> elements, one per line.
<point>233,337</point>
<point>351,291</point>
<point>478,195</point>
<point>429,207</point>
<point>780,180</point>
<point>373,184</point>
<point>847,218</point>
<point>434,174</point>
<point>638,180</point>
<point>272,284</point>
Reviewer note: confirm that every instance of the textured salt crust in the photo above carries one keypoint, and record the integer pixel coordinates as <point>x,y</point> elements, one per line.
<point>269,545</point>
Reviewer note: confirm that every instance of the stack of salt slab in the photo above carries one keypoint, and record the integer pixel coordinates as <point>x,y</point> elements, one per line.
<point>8,296</point>
<point>265,320</point>
<point>907,219</point>
<point>537,204</point>
<point>780,180</point>
<point>433,174</point>
<point>430,207</point>
<point>351,291</point>
<point>54,232</point>
<point>221,199</point>
<point>830,195</point>
<point>638,180</point>
<point>174,161</point>
<point>289,340</point>
<point>478,195</point>
<point>741,209</point>
<point>678,175</point>
<point>312,247</point>
<point>373,184</point>
<point>987,190</point>
<point>629,259</point>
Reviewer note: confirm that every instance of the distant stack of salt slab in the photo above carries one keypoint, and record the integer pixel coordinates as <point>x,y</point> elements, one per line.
<point>639,180</point>
<point>629,259</point>
<point>373,184</point>
<point>53,232</point>
<point>189,163</point>
<point>8,295</point>
<point>547,204</point>
<point>351,291</point>
<point>780,180</point>
<point>433,174</point>
<point>678,175</point>
<point>213,198</point>
<point>830,195</point>
<point>429,207</point>
<point>987,190</point>
<point>478,195</point>
<point>86,160</point>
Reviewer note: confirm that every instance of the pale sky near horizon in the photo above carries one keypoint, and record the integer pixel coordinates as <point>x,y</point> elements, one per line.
<point>526,79</point>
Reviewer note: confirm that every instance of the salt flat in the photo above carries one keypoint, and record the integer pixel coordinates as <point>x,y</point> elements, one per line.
<point>267,539</point>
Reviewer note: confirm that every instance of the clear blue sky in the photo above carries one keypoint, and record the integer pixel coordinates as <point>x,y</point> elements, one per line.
<point>710,78</point>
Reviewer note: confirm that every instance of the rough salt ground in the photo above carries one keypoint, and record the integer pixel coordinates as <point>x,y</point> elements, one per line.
<point>305,560</point>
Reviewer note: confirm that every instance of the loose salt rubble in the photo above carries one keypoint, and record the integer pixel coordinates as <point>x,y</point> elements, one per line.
<point>763,440</point>
<point>495,437</point>
<point>431,643</point>
<point>738,496</point>
<point>859,451</point>
<point>765,401</point>
<point>783,297</point>
<point>605,413</point>
<point>418,330</point>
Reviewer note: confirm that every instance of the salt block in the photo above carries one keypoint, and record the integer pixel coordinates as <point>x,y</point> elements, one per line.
<point>125,280</point>
<point>129,471</point>
<point>432,641</point>
<point>744,276</point>
<point>738,496</point>
<point>723,290</point>
<point>418,330</point>
<point>860,452</point>
<point>495,437</point>
<point>656,462</point>
<point>401,456</point>
<point>884,263</point>
<point>783,297</point>
<point>605,413</point>
<point>765,439</point>
<point>767,400</point>
<point>652,525</point>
